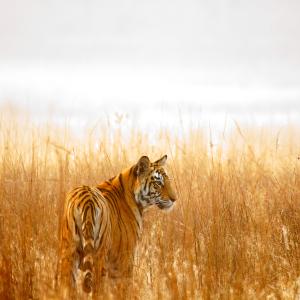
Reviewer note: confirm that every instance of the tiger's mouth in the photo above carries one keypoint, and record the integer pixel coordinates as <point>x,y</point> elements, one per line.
<point>165,204</point>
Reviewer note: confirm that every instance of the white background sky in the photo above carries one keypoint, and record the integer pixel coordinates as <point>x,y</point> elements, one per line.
<point>203,57</point>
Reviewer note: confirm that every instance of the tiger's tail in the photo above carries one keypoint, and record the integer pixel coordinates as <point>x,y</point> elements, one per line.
<point>88,232</point>
<point>88,268</point>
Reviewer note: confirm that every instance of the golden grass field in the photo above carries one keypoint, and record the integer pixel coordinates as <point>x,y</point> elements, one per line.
<point>233,234</point>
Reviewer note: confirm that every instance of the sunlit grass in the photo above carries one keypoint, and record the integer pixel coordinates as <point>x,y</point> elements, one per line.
<point>234,232</point>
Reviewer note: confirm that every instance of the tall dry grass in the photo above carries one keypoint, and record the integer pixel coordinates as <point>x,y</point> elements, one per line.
<point>234,233</point>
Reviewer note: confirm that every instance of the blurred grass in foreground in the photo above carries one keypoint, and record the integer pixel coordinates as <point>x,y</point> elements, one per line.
<point>234,233</point>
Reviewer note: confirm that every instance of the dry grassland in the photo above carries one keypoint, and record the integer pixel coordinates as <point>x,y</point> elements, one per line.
<point>234,233</point>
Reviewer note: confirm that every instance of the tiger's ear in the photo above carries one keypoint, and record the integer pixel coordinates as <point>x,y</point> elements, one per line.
<point>161,161</point>
<point>143,165</point>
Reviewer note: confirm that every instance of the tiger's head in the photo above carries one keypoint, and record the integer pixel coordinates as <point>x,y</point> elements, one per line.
<point>153,186</point>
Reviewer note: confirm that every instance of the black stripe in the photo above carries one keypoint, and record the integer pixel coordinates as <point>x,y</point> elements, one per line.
<point>86,209</point>
<point>130,171</point>
<point>83,198</point>
<point>121,182</point>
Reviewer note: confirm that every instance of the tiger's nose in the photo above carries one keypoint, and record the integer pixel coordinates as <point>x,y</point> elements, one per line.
<point>173,198</point>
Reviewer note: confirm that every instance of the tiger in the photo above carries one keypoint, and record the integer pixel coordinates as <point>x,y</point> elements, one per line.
<point>101,225</point>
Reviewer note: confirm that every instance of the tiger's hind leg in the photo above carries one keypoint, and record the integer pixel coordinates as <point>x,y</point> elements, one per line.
<point>98,283</point>
<point>68,268</point>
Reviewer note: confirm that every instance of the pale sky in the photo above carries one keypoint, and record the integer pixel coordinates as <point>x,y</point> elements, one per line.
<point>223,33</point>
<point>226,55</point>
